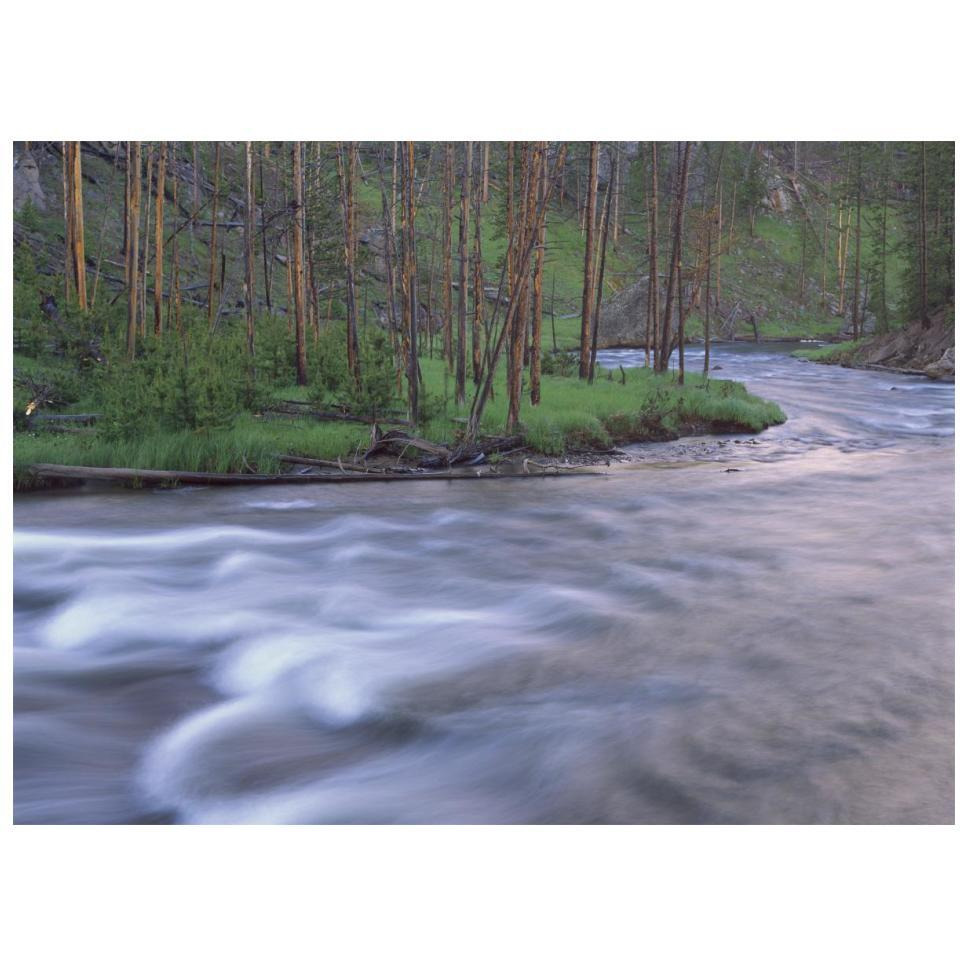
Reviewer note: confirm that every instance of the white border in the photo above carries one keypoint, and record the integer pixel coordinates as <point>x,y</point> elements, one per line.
<point>492,71</point>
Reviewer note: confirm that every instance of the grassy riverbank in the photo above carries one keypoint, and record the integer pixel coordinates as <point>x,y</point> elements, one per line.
<point>632,405</point>
<point>829,353</point>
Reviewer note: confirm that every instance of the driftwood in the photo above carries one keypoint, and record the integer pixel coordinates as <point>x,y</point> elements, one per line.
<point>340,465</point>
<point>399,441</point>
<point>440,456</point>
<point>153,477</point>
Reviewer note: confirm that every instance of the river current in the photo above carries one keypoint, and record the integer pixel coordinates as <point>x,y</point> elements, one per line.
<point>731,630</point>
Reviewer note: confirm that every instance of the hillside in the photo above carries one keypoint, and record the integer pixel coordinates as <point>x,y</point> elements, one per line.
<point>758,291</point>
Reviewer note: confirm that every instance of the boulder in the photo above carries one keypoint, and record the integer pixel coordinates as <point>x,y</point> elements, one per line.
<point>941,369</point>
<point>623,318</point>
<point>26,183</point>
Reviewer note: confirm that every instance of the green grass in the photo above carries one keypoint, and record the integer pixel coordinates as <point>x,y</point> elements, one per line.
<point>250,443</point>
<point>831,353</point>
<point>572,415</point>
<point>575,414</point>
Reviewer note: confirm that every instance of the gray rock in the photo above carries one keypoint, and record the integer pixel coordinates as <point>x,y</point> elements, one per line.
<point>623,318</point>
<point>26,183</point>
<point>941,369</point>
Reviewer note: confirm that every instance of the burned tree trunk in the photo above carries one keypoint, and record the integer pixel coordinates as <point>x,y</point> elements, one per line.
<point>590,226</point>
<point>249,222</point>
<point>133,244</point>
<point>467,169</point>
<point>297,273</point>
<point>158,244</point>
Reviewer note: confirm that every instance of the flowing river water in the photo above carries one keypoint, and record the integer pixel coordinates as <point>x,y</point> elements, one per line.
<point>733,630</point>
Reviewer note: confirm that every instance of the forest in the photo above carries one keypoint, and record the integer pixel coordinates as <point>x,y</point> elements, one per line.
<point>262,308</point>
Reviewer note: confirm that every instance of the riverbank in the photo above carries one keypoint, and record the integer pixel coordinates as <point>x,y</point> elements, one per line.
<point>912,350</point>
<point>575,422</point>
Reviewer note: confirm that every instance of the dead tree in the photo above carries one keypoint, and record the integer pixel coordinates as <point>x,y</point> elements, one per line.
<point>133,245</point>
<point>346,173</point>
<point>492,358</point>
<point>536,322</point>
<point>408,278</point>
<point>297,268</point>
<point>673,279</point>
<point>602,261</point>
<point>588,266</point>
<point>446,241</point>
<point>158,243</point>
<point>653,281</point>
<point>75,239</point>
<point>466,171</point>
<point>211,283</point>
<point>249,222</point>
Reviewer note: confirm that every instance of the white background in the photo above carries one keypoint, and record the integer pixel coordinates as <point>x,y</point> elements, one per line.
<point>492,70</point>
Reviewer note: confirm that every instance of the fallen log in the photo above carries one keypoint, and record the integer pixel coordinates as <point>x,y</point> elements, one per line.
<point>86,418</point>
<point>394,438</point>
<point>337,465</point>
<point>882,368</point>
<point>155,477</point>
<point>331,415</point>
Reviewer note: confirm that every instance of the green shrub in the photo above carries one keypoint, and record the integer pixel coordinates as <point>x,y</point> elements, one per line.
<point>372,393</point>
<point>558,363</point>
<point>194,380</point>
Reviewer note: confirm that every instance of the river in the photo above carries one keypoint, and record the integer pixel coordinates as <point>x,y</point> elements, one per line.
<point>732,630</point>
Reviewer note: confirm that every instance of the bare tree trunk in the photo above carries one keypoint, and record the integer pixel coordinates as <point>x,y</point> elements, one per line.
<point>924,318</point>
<point>145,261</point>
<point>536,332</point>
<point>461,389</point>
<point>389,256</point>
<point>733,215</point>
<point>346,170</point>
<point>158,243</point>
<point>590,225</point>
<point>823,272</point>
<point>617,177</point>
<point>263,230</point>
<point>67,220</point>
<point>408,276</point>
<point>194,213</point>
<point>716,269</point>
<point>103,227</point>
<point>604,233</point>
<point>673,280</point>
<point>509,225</point>
<point>446,244</point>
<point>706,319</point>
<point>76,204</point>
<point>803,260</point>
<point>212,310</point>
<point>173,301</point>
<point>485,192</point>
<point>249,225</point>
<point>483,391</point>
<point>297,279</point>
<point>654,281</point>
<point>856,320</point>
<point>133,245</point>
<point>518,332</point>
<point>478,298</point>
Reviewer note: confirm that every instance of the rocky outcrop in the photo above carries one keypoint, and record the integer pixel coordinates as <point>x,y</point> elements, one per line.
<point>26,183</point>
<point>912,350</point>
<point>942,369</point>
<point>623,318</point>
